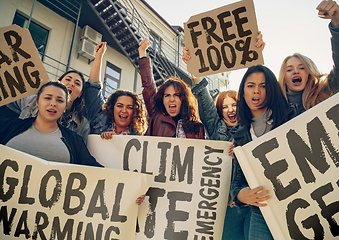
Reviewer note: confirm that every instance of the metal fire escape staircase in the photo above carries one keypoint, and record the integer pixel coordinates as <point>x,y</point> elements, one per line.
<point>127,28</point>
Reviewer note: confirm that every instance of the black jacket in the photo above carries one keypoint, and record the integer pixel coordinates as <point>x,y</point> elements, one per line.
<point>78,151</point>
<point>241,137</point>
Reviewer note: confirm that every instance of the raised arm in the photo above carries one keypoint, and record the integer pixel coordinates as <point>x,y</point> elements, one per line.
<point>207,110</point>
<point>95,74</point>
<point>148,83</point>
<point>330,10</point>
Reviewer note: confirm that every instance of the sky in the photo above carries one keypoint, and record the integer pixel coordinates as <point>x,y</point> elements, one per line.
<point>288,26</point>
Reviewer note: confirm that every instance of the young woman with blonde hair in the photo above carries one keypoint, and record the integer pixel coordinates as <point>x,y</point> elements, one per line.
<point>302,83</point>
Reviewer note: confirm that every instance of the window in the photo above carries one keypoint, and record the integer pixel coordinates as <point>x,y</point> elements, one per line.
<point>112,79</point>
<point>155,41</point>
<point>38,33</point>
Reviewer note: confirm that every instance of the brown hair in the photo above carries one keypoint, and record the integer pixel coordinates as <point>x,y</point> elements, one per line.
<point>139,122</point>
<point>78,104</point>
<point>188,110</point>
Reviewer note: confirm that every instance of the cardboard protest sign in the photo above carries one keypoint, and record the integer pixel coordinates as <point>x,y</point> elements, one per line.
<point>299,164</point>
<point>189,193</point>
<point>46,200</point>
<point>223,39</point>
<point>21,70</point>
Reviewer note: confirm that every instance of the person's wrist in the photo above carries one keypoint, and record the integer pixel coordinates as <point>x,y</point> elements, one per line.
<point>142,54</point>
<point>335,22</point>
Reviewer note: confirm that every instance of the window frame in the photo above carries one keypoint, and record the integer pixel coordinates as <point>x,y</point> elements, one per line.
<point>153,39</point>
<point>111,78</point>
<point>35,40</point>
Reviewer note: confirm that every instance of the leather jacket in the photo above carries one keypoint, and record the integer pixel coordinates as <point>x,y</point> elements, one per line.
<point>161,124</point>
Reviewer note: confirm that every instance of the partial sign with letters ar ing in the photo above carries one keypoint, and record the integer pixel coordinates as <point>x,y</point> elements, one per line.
<point>21,70</point>
<point>223,39</point>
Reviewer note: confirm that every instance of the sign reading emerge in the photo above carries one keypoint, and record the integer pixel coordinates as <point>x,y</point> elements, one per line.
<point>21,70</point>
<point>223,39</point>
<point>299,165</point>
<point>48,200</point>
<point>189,193</point>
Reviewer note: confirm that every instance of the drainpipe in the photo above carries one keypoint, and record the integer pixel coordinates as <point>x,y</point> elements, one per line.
<point>178,53</point>
<point>30,16</point>
<point>72,44</point>
<point>135,80</point>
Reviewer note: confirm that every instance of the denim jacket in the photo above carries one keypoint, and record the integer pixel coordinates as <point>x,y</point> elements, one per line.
<point>215,127</point>
<point>99,121</point>
<point>27,108</point>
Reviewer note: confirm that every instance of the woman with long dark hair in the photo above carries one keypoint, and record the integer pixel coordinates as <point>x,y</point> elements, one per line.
<point>171,108</point>
<point>220,122</point>
<point>261,108</point>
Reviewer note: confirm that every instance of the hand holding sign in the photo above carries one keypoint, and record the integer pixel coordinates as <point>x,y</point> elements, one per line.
<point>253,196</point>
<point>186,55</point>
<point>222,39</point>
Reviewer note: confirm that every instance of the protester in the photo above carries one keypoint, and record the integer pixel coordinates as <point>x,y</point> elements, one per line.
<point>302,83</point>
<point>43,136</point>
<point>219,120</point>
<point>261,108</point>
<point>122,113</point>
<point>73,118</point>
<point>221,123</point>
<point>171,109</point>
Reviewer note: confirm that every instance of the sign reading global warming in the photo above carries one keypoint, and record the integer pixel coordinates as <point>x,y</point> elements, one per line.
<point>223,39</point>
<point>48,200</point>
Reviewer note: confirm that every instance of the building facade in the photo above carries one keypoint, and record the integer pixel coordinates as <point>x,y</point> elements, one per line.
<point>65,33</point>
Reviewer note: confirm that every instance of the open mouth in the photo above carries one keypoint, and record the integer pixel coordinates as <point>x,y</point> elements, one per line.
<point>51,111</point>
<point>123,117</point>
<point>70,91</point>
<point>255,100</point>
<point>296,80</point>
<point>232,118</point>
<point>172,107</point>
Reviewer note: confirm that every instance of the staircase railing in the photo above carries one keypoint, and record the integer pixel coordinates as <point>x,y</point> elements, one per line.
<point>127,27</point>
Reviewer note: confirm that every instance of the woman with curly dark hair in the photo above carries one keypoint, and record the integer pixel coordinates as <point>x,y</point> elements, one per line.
<point>171,109</point>
<point>122,113</point>
<point>127,113</point>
